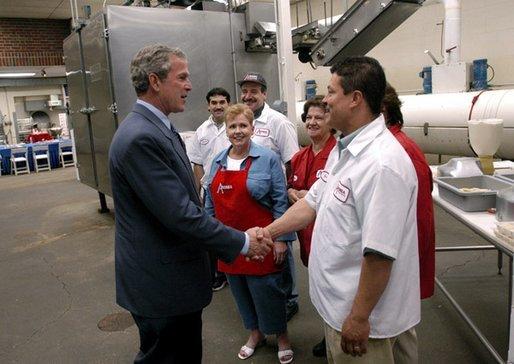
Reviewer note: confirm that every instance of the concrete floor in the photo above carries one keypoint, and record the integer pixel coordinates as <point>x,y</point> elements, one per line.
<point>57,288</point>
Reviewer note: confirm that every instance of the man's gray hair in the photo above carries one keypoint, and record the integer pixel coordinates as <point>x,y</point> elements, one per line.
<point>151,59</point>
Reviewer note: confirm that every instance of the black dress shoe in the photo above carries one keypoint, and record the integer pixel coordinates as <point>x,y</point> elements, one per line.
<point>320,349</point>
<point>291,310</point>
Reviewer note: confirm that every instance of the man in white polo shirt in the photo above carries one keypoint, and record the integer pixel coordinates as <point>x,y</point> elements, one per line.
<point>208,141</point>
<point>271,128</point>
<point>210,138</point>
<point>275,131</point>
<point>363,267</point>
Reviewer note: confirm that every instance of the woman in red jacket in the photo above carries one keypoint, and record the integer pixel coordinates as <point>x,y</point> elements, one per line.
<point>308,162</point>
<point>425,210</point>
<point>306,166</point>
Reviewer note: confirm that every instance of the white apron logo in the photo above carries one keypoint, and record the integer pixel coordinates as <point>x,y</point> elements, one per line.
<point>321,173</point>
<point>261,132</point>
<point>341,192</point>
<point>295,178</point>
<point>222,188</point>
<point>204,141</point>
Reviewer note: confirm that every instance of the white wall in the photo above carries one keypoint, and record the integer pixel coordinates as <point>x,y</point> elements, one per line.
<point>487,32</point>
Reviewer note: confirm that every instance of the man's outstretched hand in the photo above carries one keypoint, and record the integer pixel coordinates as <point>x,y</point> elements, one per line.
<point>260,243</point>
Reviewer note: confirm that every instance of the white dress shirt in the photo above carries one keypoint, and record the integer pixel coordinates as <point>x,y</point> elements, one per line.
<point>366,200</point>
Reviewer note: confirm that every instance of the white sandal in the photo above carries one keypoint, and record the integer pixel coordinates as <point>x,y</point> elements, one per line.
<point>285,356</point>
<point>248,351</point>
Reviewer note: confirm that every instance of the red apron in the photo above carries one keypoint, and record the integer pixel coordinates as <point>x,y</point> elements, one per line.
<point>304,172</point>
<point>235,207</point>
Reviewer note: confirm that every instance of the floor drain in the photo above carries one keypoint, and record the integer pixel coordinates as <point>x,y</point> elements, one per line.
<point>116,322</point>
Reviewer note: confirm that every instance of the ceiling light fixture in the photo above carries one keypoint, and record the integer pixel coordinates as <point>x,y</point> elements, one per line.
<point>17,74</point>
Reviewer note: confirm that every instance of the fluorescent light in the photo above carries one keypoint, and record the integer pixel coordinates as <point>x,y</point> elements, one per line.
<point>17,74</point>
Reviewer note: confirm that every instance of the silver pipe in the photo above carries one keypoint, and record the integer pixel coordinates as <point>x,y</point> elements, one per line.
<point>331,12</point>
<point>297,17</point>
<point>426,51</point>
<point>76,11</point>
<point>73,21</point>
<point>461,248</point>
<point>473,327</point>
<point>233,51</point>
<point>325,11</point>
<point>309,11</point>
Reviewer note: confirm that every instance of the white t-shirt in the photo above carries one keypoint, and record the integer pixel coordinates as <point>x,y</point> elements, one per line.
<point>274,131</point>
<point>234,164</point>
<point>366,199</point>
<point>207,142</point>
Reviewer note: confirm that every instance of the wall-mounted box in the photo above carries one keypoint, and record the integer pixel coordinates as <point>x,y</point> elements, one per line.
<point>454,77</point>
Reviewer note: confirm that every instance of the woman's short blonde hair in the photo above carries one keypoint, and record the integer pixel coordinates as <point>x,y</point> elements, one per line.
<point>239,109</point>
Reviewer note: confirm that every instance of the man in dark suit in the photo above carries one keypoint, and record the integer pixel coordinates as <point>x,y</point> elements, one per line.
<point>162,233</point>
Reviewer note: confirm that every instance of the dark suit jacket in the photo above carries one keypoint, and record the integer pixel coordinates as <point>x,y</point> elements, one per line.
<point>162,232</point>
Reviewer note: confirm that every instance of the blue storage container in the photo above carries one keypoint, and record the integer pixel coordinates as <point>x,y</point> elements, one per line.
<point>426,75</point>
<point>310,89</point>
<point>480,74</point>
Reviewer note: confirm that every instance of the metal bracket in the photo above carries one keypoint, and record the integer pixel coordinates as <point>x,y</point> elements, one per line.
<point>425,129</point>
<point>113,108</point>
<point>87,110</point>
<point>320,54</point>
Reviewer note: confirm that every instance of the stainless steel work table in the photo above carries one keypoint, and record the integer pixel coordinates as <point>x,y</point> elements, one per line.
<point>482,223</point>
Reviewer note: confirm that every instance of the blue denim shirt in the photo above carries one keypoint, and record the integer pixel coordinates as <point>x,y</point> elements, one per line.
<point>266,182</point>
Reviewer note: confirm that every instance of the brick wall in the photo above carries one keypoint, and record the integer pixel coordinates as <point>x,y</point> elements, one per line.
<point>32,42</point>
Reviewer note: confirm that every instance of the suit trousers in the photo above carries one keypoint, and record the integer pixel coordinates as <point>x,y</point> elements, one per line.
<point>171,340</point>
<point>213,257</point>
<point>290,277</point>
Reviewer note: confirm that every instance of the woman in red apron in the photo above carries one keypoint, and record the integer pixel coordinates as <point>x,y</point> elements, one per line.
<point>306,166</point>
<point>308,163</point>
<point>247,188</point>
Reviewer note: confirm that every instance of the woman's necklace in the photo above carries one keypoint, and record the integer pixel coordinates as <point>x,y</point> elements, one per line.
<point>237,156</point>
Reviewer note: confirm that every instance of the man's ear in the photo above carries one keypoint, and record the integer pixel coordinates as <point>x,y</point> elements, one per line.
<point>154,82</point>
<point>357,98</point>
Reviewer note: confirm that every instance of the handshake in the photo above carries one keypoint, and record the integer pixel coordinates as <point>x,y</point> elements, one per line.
<point>260,243</point>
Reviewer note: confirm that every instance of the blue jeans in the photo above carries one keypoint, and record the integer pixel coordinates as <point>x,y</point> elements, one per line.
<point>261,301</point>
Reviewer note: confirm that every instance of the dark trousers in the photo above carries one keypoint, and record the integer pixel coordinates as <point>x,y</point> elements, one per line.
<point>171,340</point>
<point>213,258</point>
<point>290,277</point>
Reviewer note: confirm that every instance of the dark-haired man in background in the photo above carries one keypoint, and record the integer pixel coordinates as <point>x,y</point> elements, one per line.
<point>208,141</point>
<point>210,137</point>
